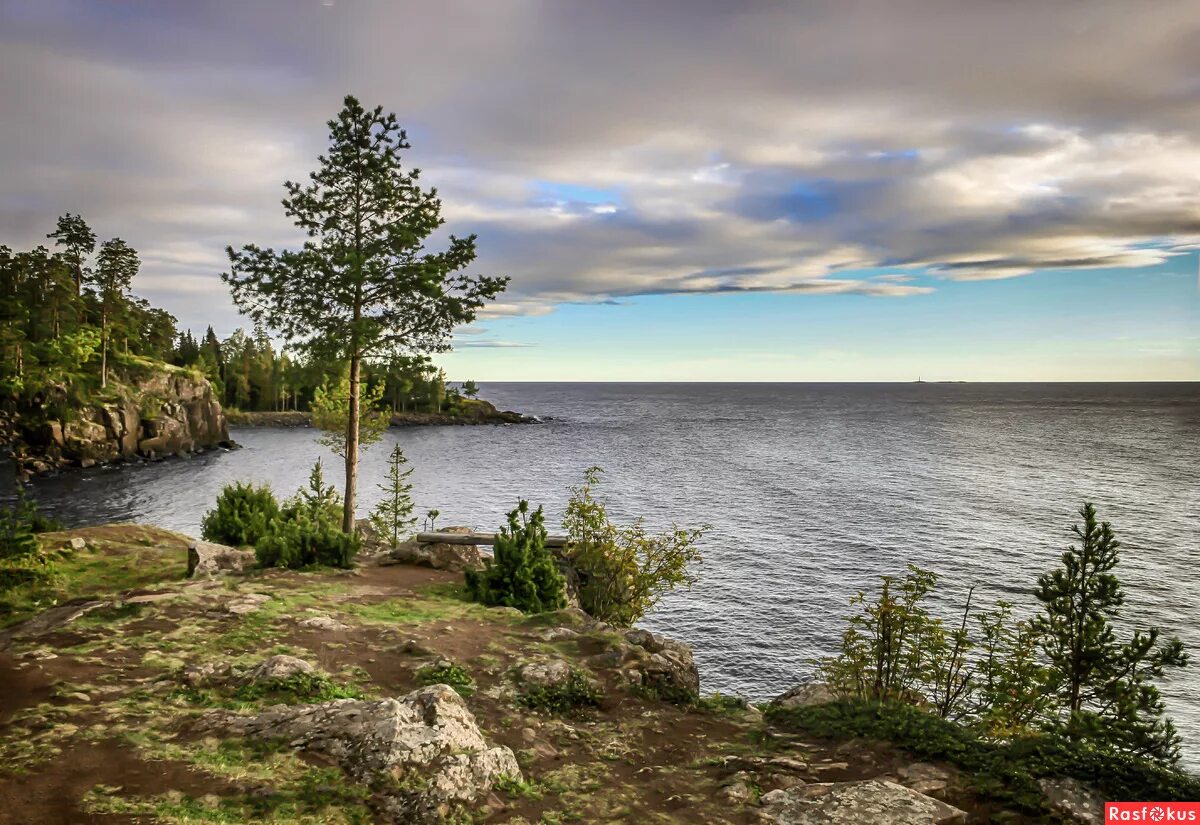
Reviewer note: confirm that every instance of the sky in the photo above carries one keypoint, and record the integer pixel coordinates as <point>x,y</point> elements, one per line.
<point>679,190</point>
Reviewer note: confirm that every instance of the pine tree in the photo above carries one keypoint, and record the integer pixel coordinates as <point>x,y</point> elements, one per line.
<point>78,241</point>
<point>363,285</point>
<point>522,574</point>
<point>115,268</point>
<point>393,516</point>
<point>1103,685</point>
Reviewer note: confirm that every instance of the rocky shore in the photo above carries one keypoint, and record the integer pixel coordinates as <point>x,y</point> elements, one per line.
<point>473,412</point>
<point>185,686</point>
<point>166,412</point>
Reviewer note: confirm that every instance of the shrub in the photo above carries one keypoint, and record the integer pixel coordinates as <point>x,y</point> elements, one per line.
<point>300,540</point>
<point>623,571</point>
<point>522,574</point>
<point>21,559</point>
<point>447,673</point>
<point>299,687</point>
<point>244,514</point>
<point>1003,770</point>
<point>577,691</point>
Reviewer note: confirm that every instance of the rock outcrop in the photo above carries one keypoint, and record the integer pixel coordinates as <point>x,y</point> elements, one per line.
<point>425,747</point>
<point>438,555</point>
<point>806,693</point>
<point>206,559</point>
<point>166,412</point>
<point>853,803</point>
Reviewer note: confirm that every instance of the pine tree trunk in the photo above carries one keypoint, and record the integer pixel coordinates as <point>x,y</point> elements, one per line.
<point>103,350</point>
<point>351,448</point>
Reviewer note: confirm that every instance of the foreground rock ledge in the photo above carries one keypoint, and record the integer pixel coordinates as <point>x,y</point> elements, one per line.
<point>425,746</point>
<point>854,803</point>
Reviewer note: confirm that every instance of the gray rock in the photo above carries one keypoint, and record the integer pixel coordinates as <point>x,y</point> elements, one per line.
<point>206,674</point>
<point>246,603</point>
<point>426,743</point>
<point>322,622</point>
<point>77,543</point>
<point>855,803</point>
<point>925,778</point>
<point>208,559</point>
<point>670,663</point>
<point>276,668</point>
<point>544,674</point>
<point>808,693</point>
<point>439,556</point>
<point>1073,800</point>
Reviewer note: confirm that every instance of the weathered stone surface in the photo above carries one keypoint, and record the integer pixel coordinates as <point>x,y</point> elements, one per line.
<point>206,674</point>
<point>546,674</point>
<point>854,803</point>
<point>925,778</point>
<point>322,622</point>
<point>427,737</point>
<point>439,556</point>
<point>276,668</point>
<point>808,693</point>
<point>670,663</point>
<point>77,543</point>
<point>208,559</point>
<point>246,603</point>
<point>1073,800</point>
<point>166,413</point>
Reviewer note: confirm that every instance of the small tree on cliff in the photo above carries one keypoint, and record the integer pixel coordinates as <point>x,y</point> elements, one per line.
<point>1102,685</point>
<point>362,286</point>
<point>115,267</point>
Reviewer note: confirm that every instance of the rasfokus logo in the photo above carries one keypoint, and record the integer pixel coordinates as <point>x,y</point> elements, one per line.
<point>1151,812</point>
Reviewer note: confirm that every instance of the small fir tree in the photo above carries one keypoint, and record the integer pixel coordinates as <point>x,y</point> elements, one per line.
<point>393,517</point>
<point>1102,685</point>
<point>320,501</point>
<point>522,574</point>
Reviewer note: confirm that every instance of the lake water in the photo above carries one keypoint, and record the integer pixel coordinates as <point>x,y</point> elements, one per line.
<point>812,491</point>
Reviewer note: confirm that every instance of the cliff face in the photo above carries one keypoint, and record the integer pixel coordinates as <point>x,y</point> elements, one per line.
<point>167,412</point>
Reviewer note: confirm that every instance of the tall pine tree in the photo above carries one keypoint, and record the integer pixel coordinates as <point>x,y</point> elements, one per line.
<point>362,286</point>
<point>115,267</point>
<point>1104,685</point>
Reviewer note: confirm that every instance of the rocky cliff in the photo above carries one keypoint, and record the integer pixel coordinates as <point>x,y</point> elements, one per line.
<point>164,412</point>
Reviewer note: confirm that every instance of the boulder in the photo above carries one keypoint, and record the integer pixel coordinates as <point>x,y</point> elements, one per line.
<point>807,693</point>
<point>425,747</point>
<point>544,674</point>
<point>206,674</point>
<point>208,559</point>
<point>925,778</point>
<point>275,669</point>
<point>854,803</point>
<point>439,556</point>
<point>1073,800</point>
<point>670,664</point>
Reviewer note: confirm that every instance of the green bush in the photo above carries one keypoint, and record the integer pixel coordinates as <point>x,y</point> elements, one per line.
<point>523,574</point>
<point>22,562</point>
<point>574,693</point>
<point>447,673</point>
<point>1007,771</point>
<point>244,514</point>
<point>300,540</point>
<point>623,571</point>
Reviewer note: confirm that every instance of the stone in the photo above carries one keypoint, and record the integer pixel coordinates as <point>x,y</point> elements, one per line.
<point>925,778</point>
<point>807,693</point>
<point>737,791</point>
<point>206,674</point>
<point>1073,800</point>
<point>77,543</point>
<point>322,622</point>
<point>425,747</point>
<point>208,559</point>
<point>439,555</point>
<point>854,803</point>
<point>276,668</point>
<point>545,674</point>
<point>246,603</point>
<point>670,664</point>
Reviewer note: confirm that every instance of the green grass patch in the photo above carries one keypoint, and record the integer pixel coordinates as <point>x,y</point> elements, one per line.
<point>447,673</point>
<point>575,693</point>
<point>296,689</point>
<point>1008,771</point>
<point>403,611</point>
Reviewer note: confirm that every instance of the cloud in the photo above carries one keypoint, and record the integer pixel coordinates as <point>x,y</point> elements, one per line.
<point>603,151</point>
<point>491,345</point>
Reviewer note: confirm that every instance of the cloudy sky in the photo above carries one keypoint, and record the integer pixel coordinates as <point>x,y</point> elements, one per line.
<point>679,190</point>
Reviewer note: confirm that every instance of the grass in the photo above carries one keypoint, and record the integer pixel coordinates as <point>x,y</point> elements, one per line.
<point>574,693</point>
<point>447,673</point>
<point>117,559</point>
<point>1005,771</point>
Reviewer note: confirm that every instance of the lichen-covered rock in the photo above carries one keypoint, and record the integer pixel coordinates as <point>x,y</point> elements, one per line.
<point>1073,800</point>
<point>854,803</point>
<point>439,555</point>
<point>807,693</point>
<point>544,674</point>
<point>208,559</point>
<point>426,745</point>
<point>925,778</point>
<point>206,674</point>
<point>670,664</point>
<point>276,668</point>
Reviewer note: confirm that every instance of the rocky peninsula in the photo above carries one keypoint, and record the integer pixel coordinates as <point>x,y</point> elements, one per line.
<point>466,412</point>
<point>173,682</point>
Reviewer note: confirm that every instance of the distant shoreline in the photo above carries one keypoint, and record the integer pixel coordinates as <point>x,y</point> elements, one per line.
<point>293,418</point>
